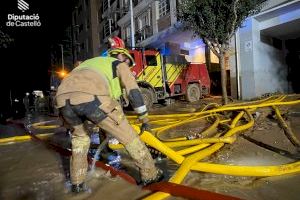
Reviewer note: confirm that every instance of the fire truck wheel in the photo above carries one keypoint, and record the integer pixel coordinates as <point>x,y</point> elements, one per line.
<point>193,93</point>
<point>148,97</point>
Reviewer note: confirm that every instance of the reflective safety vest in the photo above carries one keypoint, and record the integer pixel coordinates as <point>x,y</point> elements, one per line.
<point>105,66</point>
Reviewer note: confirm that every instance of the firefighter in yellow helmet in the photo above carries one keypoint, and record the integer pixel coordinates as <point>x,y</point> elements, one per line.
<point>91,92</point>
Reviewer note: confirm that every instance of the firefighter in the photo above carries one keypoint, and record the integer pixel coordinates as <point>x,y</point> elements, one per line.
<point>91,92</point>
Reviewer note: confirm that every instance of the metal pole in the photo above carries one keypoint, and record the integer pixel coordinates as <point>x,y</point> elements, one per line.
<point>132,24</point>
<point>62,56</point>
<point>237,62</point>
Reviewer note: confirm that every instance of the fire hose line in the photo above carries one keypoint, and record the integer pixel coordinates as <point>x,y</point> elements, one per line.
<point>188,120</point>
<point>183,192</point>
<point>287,130</point>
<point>22,138</point>
<point>182,141</point>
<point>175,190</point>
<point>188,162</point>
<point>191,162</point>
<point>187,192</point>
<point>276,98</point>
<point>221,109</point>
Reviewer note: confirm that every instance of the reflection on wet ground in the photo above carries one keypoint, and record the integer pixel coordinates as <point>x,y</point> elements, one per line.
<point>31,170</point>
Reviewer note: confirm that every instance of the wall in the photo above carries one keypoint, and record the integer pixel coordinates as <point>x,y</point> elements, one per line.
<point>262,66</point>
<point>247,84</point>
<point>95,41</point>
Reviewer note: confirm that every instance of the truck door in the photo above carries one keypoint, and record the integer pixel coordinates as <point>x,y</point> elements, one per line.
<point>152,69</point>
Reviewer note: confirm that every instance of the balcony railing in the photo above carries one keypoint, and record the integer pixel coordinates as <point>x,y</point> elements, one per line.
<point>140,35</point>
<point>144,33</point>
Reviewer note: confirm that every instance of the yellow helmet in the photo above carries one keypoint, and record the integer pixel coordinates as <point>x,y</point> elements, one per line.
<point>116,51</point>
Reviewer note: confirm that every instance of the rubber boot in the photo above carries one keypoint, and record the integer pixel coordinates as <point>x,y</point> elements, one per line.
<point>142,157</point>
<point>78,188</point>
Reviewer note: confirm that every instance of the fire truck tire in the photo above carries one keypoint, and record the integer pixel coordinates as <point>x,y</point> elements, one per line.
<point>148,97</point>
<point>193,92</point>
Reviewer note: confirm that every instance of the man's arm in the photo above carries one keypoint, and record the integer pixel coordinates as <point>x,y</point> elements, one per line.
<point>132,91</point>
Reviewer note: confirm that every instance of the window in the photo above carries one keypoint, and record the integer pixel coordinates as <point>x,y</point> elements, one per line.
<point>164,7</point>
<point>151,61</point>
<point>135,3</point>
<point>143,26</point>
<point>106,28</point>
<point>105,5</point>
<point>124,4</point>
<point>144,19</point>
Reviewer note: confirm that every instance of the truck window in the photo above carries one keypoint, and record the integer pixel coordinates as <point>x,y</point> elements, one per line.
<point>151,60</point>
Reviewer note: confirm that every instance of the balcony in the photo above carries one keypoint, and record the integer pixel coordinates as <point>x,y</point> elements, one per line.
<point>164,23</point>
<point>143,33</point>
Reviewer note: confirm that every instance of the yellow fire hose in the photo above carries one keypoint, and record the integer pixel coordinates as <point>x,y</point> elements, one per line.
<point>288,131</point>
<point>188,162</point>
<point>199,148</point>
<point>22,138</point>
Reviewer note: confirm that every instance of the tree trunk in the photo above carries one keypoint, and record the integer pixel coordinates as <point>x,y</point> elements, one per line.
<point>223,77</point>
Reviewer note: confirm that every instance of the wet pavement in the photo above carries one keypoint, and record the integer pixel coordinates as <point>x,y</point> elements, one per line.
<point>32,170</point>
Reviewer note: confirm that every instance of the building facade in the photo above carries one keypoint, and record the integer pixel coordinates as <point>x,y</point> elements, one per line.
<point>256,64</point>
<point>85,26</point>
<point>261,64</point>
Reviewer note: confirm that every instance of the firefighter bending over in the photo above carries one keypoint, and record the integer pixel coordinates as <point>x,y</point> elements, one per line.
<point>90,92</point>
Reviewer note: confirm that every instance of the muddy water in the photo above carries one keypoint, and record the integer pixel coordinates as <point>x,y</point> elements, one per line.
<point>29,170</point>
<point>243,152</point>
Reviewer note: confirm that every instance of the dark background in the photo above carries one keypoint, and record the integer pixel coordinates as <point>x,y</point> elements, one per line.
<point>25,63</point>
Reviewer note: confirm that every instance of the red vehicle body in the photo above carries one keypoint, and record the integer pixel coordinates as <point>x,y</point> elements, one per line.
<point>163,77</point>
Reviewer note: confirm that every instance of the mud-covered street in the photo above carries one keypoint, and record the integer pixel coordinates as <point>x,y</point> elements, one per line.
<point>32,170</point>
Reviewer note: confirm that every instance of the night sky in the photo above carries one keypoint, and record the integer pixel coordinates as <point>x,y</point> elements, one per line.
<point>25,63</point>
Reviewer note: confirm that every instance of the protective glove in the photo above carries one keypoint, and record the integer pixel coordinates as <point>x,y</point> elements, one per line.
<point>144,120</point>
<point>145,127</point>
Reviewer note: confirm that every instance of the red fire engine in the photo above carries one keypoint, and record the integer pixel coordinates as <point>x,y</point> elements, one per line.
<point>163,77</point>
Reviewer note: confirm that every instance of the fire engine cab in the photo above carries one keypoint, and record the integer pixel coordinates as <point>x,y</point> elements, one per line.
<point>162,77</point>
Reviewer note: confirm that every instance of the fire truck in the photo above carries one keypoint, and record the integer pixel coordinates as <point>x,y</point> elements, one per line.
<point>162,77</point>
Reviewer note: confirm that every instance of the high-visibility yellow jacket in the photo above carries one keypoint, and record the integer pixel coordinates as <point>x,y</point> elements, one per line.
<point>100,76</point>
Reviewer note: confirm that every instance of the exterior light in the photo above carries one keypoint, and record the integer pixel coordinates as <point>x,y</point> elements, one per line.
<point>62,73</point>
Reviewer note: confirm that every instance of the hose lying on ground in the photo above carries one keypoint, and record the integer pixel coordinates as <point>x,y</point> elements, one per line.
<point>196,149</point>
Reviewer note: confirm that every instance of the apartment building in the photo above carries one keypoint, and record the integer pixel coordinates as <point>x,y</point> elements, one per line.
<point>258,48</point>
<point>154,26</point>
<point>85,27</point>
